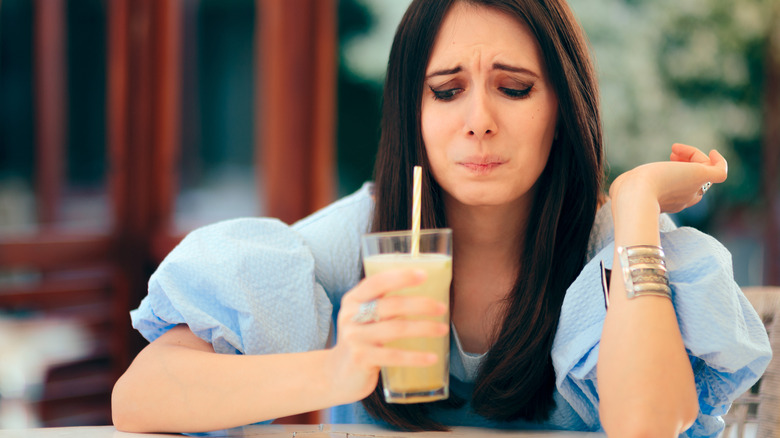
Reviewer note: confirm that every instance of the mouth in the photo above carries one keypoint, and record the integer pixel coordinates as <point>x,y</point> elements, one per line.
<point>481,165</point>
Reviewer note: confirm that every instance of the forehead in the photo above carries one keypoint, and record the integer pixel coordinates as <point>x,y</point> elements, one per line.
<point>470,31</point>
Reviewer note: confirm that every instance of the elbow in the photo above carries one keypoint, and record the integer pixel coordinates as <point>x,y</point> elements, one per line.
<point>125,414</point>
<point>687,412</point>
<point>647,427</point>
<point>636,431</point>
<point>690,414</point>
<point>123,422</point>
<point>650,423</point>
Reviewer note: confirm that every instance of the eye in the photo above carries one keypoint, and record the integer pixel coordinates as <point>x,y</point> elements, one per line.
<point>515,93</point>
<point>445,95</point>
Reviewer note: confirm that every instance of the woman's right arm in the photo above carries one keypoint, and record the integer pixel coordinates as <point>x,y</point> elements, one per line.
<point>179,384</point>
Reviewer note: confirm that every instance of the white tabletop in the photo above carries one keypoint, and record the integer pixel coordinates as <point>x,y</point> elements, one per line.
<point>297,431</point>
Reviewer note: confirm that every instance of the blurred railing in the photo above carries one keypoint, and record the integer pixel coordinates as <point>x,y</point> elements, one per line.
<point>97,275</point>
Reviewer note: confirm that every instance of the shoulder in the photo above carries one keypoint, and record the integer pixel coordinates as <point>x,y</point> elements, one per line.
<point>229,239</point>
<point>339,224</point>
<point>352,209</point>
<point>333,236</point>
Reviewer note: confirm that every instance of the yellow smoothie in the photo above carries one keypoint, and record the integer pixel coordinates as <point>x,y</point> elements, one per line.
<point>419,384</point>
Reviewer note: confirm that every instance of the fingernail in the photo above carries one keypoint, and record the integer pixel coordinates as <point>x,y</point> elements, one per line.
<point>441,307</point>
<point>420,274</point>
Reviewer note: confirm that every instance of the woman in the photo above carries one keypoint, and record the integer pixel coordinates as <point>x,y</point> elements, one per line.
<point>496,99</point>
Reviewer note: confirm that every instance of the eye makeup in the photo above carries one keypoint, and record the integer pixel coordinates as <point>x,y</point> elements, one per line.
<point>445,93</point>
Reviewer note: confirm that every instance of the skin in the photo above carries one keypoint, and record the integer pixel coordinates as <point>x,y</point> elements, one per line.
<point>489,113</point>
<point>489,118</point>
<point>487,148</point>
<point>645,380</point>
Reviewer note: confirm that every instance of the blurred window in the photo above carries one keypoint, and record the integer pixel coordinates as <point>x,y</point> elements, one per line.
<point>78,184</point>
<point>217,172</point>
<point>17,198</point>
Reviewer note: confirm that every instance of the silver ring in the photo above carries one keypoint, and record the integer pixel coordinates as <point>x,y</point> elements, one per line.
<point>366,313</point>
<point>704,188</point>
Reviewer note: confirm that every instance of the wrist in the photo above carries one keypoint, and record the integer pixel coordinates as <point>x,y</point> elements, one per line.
<point>631,193</point>
<point>635,212</point>
<point>343,385</point>
<point>330,377</point>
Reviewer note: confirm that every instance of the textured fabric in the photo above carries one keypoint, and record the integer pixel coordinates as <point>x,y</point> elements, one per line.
<point>725,340</point>
<point>255,286</point>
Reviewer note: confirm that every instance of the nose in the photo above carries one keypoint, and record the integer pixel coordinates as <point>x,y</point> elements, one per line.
<point>480,121</point>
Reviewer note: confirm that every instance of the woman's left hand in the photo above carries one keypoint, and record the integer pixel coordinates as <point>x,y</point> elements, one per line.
<point>675,184</point>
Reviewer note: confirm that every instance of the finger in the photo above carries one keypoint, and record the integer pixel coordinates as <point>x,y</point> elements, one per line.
<point>686,153</point>
<point>390,307</point>
<point>378,285</point>
<point>719,162</point>
<point>394,357</point>
<point>380,333</point>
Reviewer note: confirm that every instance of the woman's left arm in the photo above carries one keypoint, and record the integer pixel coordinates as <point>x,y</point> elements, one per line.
<point>645,381</point>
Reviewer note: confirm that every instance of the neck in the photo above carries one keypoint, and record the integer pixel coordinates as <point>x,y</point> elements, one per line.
<point>488,232</point>
<point>487,243</point>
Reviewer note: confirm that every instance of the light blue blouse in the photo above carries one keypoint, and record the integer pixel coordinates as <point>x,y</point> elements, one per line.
<point>259,286</point>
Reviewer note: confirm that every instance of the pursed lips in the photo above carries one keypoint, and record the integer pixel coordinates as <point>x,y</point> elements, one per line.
<point>481,165</point>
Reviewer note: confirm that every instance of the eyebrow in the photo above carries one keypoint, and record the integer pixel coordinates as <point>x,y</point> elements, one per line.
<point>496,66</point>
<point>445,72</point>
<point>513,69</point>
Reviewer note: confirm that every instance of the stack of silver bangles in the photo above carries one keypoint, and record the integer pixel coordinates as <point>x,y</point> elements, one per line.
<point>644,271</point>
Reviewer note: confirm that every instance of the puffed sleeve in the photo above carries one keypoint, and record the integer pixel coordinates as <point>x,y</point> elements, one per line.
<point>725,339</point>
<point>245,286</point>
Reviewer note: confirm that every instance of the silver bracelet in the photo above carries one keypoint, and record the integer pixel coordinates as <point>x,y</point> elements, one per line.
<point>644,271</point>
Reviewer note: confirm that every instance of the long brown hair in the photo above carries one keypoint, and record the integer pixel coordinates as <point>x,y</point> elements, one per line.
<point>516,379</point>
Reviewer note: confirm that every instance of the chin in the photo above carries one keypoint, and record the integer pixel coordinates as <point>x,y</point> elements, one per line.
<point>482,199</point>
<point>488,195</point>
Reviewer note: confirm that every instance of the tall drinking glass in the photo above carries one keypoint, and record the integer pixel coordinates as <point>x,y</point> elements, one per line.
<point>392,250</point>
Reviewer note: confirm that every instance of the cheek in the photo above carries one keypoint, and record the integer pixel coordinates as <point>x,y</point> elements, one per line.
<point>430,123</point>
<point>437,153</point>
<point>425,125</point>
<point>538,129</point>
<point>434,134</point>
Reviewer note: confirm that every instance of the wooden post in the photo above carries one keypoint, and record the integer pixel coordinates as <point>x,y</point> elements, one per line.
<point>143,134</point>
<point>118,139</point>
<point>50,99</point>
<point>771,158</point>
<point>117,95</point>
<point>167,110</point>
<point>295,101</point>
<point>295,42</point>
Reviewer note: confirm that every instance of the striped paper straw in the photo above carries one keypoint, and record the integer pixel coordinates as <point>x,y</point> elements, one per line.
<point>416,211</point>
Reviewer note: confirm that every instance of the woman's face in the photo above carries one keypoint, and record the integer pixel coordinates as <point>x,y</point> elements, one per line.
<point>489,112</point>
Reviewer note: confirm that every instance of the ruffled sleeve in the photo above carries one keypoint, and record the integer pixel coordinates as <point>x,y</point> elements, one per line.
<point>726,341</point>
<point>245,286</point>
<point>257,285</point>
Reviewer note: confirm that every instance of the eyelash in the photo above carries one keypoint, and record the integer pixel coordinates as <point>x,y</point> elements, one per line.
<point>445,95</point>
<point>448,95</point>
<point>515,93</point>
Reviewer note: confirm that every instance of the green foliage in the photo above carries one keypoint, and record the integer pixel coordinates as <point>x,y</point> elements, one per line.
<point>713,57</point>
<point>689,72</point>
<point>355,20</point>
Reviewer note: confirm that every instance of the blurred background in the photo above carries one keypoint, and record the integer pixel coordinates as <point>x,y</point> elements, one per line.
<point>124,124</point>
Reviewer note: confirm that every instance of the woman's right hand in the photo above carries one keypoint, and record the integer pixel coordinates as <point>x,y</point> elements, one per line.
<point>360,350</point>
